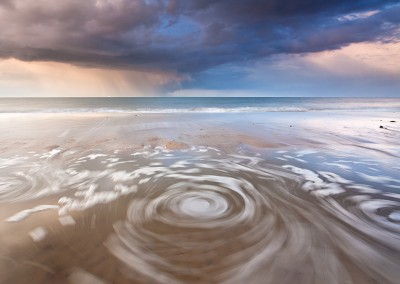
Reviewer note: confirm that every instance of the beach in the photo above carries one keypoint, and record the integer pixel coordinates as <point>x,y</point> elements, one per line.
<point>258,197</point>
<point>199,142</point>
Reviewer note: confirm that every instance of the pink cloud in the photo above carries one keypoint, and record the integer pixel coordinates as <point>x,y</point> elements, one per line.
<point>20,78</point>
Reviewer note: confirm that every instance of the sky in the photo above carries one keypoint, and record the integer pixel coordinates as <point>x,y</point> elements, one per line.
<point>200,48</point>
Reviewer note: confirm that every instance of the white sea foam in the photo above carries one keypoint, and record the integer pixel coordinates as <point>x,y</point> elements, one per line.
<point>38,234</point>
<point>302,153</point>
<point>95,156</point>
<point>378,178</point>
<point>395,216</point>
<point>67,220</point>
<point>341,166</point>
<point>51,154</point>
<point>26,213</point>
<point>250,217</point>
<point>332,177</point>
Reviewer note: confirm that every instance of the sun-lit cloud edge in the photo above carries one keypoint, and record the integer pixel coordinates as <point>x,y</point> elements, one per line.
<point>361,69</point>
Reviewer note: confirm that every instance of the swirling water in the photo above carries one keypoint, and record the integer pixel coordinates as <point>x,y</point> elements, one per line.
<point>200,215</point>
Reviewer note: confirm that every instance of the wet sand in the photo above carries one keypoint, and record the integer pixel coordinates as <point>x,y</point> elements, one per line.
<point>193,198</point>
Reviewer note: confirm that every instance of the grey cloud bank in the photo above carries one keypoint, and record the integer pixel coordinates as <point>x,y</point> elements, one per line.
<point>185,36</point>
<point>222,47</point>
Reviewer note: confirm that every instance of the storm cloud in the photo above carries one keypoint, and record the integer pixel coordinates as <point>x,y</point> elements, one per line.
<point>187,36</point>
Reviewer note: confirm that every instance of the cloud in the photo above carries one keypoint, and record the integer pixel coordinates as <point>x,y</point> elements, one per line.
<point>360,69</point>
<point>8,4</point>
<point>218,93</point>
<point>186,37</point>
<point>52,79</point>
<point>256,10</point>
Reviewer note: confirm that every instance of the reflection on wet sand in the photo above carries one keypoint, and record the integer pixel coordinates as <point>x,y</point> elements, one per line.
<point>198,214</point>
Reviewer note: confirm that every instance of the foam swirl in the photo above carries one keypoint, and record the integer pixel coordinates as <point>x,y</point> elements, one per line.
<point>202,216</point>
<point>184,217</point>
<point>236,219</point>
<point>22,182</point>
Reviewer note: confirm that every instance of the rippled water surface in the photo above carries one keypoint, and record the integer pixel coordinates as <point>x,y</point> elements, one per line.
<point>199,214</point>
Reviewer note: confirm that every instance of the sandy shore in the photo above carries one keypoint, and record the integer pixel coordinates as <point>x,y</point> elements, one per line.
<point>98,170</point>
<point>31,132</point>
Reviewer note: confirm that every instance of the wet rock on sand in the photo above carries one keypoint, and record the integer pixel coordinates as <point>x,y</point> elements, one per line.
<point>175,145</point>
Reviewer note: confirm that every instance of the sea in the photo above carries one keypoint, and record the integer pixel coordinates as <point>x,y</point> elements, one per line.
<point>195,104</point>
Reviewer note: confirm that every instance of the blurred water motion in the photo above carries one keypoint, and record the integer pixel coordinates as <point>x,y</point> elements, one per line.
<point>197,215</point>
<point>198,198</point>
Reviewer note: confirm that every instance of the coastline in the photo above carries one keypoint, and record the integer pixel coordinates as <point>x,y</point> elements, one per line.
<point>262,130</point>
<point>68,153</point>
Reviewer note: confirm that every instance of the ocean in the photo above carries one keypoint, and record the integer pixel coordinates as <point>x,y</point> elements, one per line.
<point>194,104</point>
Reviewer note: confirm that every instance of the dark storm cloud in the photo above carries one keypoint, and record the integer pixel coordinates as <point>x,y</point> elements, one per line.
<point>185,36</point>
<point>7,3</point>
<point>253,10</point>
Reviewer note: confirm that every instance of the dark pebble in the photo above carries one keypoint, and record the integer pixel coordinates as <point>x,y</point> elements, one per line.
<point>381,126</point>
<point>393,121</point>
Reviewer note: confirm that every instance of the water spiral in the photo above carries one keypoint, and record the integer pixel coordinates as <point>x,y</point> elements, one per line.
<point>204,216</point>
<point>235,219</point>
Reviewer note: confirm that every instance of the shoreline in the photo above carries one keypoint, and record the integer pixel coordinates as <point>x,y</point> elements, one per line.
<point>226,131</point>
<point>288,173</point>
